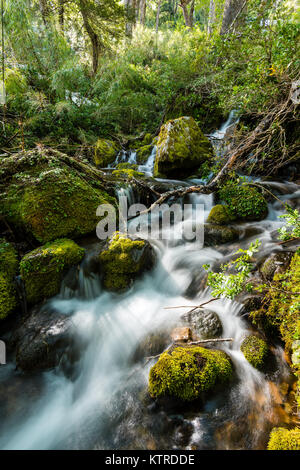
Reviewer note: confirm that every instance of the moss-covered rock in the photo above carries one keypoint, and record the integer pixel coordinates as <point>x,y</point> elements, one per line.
<point>284,439</point>
<point>123,259</point>
<point>8,270</point>
<point>126,166</point>
<point>184,373</point>
<point>128,173</point>
<point>105,152</point>
<point>280,313</point>
<point>181,148</point>
<point>42,269</point>
<point>275,264</point>
<point>244,202</point>
<point>255,351</point>
<point>218,234</point>
<point>143,153</point>
<point>49,195</point>
<point>220,215</point>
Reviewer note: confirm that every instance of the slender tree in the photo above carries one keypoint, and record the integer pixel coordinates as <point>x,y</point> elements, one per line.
<point>188,13</point>
<point>232,11</point>
<point>157,15</point>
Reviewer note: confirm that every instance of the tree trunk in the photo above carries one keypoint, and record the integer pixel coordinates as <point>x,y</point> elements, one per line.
<point>130,9</point>
<point>211,16</point>
<point>92,35</point>
<point>232,10</point>
<point>44,7</point>
<point>188,14</point>
<point>143,7</point>
<point>157,15</point>
<point>61,14</point>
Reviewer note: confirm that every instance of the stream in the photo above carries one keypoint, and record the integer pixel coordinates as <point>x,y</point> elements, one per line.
<point>103,404</point>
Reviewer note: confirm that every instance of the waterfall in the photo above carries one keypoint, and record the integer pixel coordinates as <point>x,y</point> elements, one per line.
<point>102,406</point>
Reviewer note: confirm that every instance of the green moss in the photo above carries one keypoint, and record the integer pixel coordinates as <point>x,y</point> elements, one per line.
<point>281,312</point>
<point>46,196</point>
<point>128,173</point>
<point>255,351</point>
<point>126,166</point>
<point>284,439</point>
<point>122,261</point>
<point>105,152</point>
<point>8,270</point>
<point>42,269</point>
<point>181,148</point>
<point>143,153</point>
<point>220,215</point>
<point>244,202</point>
<point>185,373</point>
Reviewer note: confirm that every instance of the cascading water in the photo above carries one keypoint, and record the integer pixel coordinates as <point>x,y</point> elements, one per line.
<point>103,405</point>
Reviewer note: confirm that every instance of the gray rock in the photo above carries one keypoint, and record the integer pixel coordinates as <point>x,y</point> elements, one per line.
<point>43,339</point>
<point>275,263</point>
<point>205,323</point>
<point>219,234</point>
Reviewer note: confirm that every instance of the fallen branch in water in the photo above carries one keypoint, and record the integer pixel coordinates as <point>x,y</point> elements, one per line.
<point>193,307</point>
<point>192,343</point>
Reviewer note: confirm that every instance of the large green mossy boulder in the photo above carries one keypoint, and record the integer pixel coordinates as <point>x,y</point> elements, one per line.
<point>184,373</point>
<point>255,351</point>
<point>181,148</point>
<point>8,270</point>
<point>244,202</point>
<point>123,259</point>
<point>284,439</point>
<point>42,269</point>
<point>49,195</point>
<point>105,152</point>
<point>220,215</point>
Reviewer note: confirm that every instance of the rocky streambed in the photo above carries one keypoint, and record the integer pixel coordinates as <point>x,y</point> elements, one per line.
<point>104,354</point>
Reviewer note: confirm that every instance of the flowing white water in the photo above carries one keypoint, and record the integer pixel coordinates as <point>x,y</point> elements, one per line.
<point>102,406</point>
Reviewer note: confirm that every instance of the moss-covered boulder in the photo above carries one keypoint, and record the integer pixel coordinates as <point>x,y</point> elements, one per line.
<point>8,270</point>
<point>105,152</point>
<point>128,173</point>
<point>218,234</point>
<point>123,259</point>
<point>126,166</point>
<point>220,215</point>
<point>244,202</point>
<point>181,148</point>
<point>42,269</point>
<point>255,351</point>
<point>49,195</point>
<point>275,264</point>
<point>284,439</point>
<point>143,153</point>
<point>184,373</point>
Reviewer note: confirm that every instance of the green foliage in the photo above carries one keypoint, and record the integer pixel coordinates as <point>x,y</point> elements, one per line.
<point>292,227</point>
<point>42,269</point>
<point>8,270</point>
<point>230,285</point>
<point>243,201</point>
<point>282,302</point>
<point>284,439</point>
<point>255,351</point>
<point>186,373</point>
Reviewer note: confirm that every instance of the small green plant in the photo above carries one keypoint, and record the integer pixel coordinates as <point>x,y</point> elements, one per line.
<point>228,285</point>
<point>292,228</point>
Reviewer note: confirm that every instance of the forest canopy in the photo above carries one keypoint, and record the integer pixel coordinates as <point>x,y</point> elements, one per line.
<point>75,70</point>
